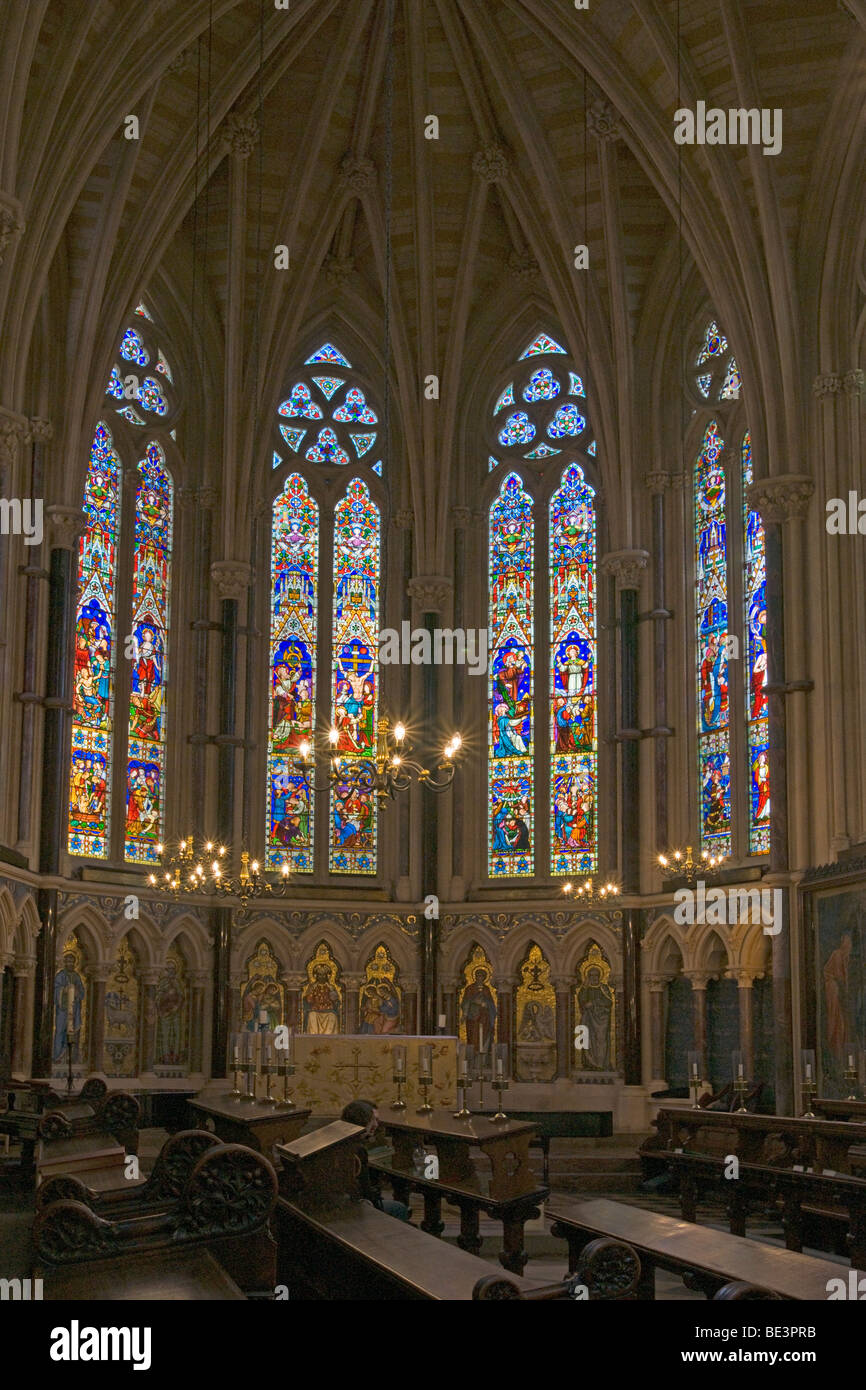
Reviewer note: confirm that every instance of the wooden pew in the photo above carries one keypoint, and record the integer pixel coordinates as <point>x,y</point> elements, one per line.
<point>226,1204</point>
<point>806,1201</point>
<point>103,1192</point>
<point>706,1260</point>
<point>777,1140</point>
<point>513,1212</point>
<point>333,1244</point>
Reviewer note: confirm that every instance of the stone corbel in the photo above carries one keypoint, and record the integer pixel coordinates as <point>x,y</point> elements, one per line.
<point>12,222</point>
<point>432,592</point>
<point>626,566</point>
<point>231,578</point>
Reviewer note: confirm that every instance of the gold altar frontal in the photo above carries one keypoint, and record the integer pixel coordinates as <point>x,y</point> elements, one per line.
<point>332,1070</point>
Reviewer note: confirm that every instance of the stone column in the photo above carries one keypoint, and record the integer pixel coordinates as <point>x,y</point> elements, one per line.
<point>657,484</point>
<point>30,697</point>
<point>564,986</point>
<point>295,982</point>
<point>24,971</point>
<point>699,979</point>
<point>430,595</point>
<point>504,986</point>
<point>782,503</point>
<point>198,985</point>
<point>626,566</point>
<point>99,979</point>
<point>351,1004</point>
<point>657,984</point>
<point>64,527</point>
<point>745,998</point>
<point>149,980</point>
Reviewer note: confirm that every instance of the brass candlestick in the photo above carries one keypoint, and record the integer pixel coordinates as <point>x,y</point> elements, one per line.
<point>852,1076</point>
<point>235,1092</point>
<point>809,1091</point>
<point>268,1070</point>
<point>249,1070</point>
<point>499,1085</point>
<point>399,1081</point>
<point>425,1082</point>
<point>285,1070</point>
<point>464,1112</point>
<point>740,1088</point>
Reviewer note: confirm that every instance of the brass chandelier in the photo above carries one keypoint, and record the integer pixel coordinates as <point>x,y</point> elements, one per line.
<point>389,771</point>
<point>188,870</point>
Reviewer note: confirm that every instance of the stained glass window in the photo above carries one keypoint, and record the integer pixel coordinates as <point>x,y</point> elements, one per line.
<point>510,737</point>
<point>151,580</point>
<point>354,705</point>
<point>328,353</point>
<point>95,649</point>
<point>542,386</point>
<point>755,624</point>
<point>567,420</point>
<point>543,343</point>
<point>132,750</point>
<point>294,577</point>
<point>715,363</point>
<point>711,581</point>
<point>573,653</point>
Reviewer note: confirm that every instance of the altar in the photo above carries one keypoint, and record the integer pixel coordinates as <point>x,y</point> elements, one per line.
<point>332,1070</point>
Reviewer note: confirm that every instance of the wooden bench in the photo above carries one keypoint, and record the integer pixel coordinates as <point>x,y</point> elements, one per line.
<point>706,1260</point>
<point>104,1191</point>
<point>513,1212</point>
<point>776,1140</point>
<point>164,1274</point>
<point>226,1203</point>
<point>806,1201</point>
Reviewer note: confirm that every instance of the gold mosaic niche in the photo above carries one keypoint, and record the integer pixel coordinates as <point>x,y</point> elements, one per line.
<point>380,971</point>
<point>477,961</point>
<point>535,1020</point>
<point>322,959</point>
<point>72,947</point>
<point>262,989</point>
<point>120,1041</point>
<point>594,998</point>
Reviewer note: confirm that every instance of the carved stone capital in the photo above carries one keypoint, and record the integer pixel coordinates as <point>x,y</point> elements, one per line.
<point>699,979</point>
<point>783,498</point>
<point>492,162</point>
<point>403,518</point>
<point>357,174</point>
<point>744,977</point>
<point>11,222</point>
<point>523,266</point>
<point>461,516</point>
<point>240,134</point>
<point>337,270</point>
<point>657,983</point>
<point>626,567</point>
<point>41,431</point>
<point>829,384</point>
<point>186,498</point>
<point>602,121</point>
<point>430,591</point>
<point>231,578</point>
<point>657,482</point>
<point>13,433</point>
<point>853,382</point>
<point>65,526</point>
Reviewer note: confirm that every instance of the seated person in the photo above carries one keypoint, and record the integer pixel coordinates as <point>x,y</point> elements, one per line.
<point>364,1113</point>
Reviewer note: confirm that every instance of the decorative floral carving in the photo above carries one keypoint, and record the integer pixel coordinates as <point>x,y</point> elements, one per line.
<point>240,134</point>
<point>430,591</point>
<point>492,162</point>
<point>231,578</point>
<point>232,1189</point>
<point>337,270</point>
<point>783,498</point>
<point>176,1161</point>
<point>357,174</point>
<point>626,566</point>
<point>602,121</point>
<point>11,222</point>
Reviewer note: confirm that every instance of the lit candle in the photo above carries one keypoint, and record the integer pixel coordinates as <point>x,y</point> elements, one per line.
<point>499,1068</point>
<point>399,1061</point>
<point>237,1052</point>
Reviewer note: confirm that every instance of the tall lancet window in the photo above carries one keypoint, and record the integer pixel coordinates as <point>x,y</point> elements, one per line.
<point>151,580</point>
<point>573,649</point>
<point>510,791</point>
<point>711,592</point>
<point>294,581</point>
<point>755,623</point>
<point>326,540</point>
<point>355,674</point>
<point>122,611</point>
<point>541,434</point>
<point>95,648</point>
<point>731,618</point>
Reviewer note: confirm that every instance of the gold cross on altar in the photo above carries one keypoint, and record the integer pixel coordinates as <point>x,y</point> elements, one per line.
<point>357,1066</point>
